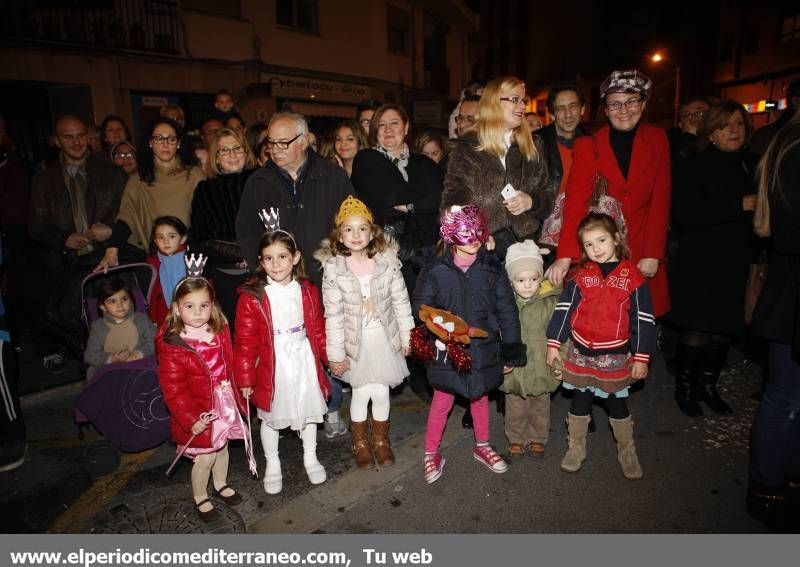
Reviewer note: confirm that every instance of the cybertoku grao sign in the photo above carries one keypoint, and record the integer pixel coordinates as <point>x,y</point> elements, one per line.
<point>316,89</point>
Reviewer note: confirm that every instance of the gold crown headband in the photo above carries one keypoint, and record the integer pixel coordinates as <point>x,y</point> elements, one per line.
<point>352,207</point>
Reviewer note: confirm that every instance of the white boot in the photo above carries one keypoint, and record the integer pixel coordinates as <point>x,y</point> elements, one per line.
<point>315,471</point>
<point>273,480</point>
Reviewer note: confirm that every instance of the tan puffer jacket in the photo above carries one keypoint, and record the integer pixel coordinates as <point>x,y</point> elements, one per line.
<point>341,295</point>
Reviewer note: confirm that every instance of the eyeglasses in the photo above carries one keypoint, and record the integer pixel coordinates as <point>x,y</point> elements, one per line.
<point>235,150</point>
<point>171,140</point>
<point>280,145</point>
<point>515,100</point>
<point>469,119</point>
<point>123,156</point>
<point>630,103</point>
<point>696,115</point>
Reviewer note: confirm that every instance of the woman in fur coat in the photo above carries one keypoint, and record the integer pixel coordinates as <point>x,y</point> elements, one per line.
<point>497,166</point>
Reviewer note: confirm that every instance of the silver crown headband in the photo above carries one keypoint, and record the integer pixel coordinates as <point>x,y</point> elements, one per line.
<point>272,222</point>
<point>194,266</point>
<point>194,270</point>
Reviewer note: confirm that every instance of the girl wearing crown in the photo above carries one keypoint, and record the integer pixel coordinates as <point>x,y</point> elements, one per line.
<point>368,323</point>
<point>280,349</point>
<point>195,371</point>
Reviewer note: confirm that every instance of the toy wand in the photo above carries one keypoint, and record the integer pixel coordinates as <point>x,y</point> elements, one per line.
<point>205,417</point>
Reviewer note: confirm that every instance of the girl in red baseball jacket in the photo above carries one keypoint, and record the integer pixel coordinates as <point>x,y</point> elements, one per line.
<point>606,314</point>
<point>279,352</point>
<point>195,371</point>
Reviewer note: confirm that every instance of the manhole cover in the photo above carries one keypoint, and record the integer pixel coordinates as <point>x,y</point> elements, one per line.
<point>162,511</point>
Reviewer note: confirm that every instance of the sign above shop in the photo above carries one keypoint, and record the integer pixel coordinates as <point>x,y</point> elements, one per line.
<point>315,89</point>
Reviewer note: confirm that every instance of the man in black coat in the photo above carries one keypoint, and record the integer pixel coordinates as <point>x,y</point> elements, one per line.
<point>74,202</point>
<point>566,105</point>
<point>306,189</point>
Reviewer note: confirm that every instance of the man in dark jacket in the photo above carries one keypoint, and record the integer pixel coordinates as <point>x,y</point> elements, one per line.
<point>307,191</point>
<point>565,104</point>
<point>305,188</point>
<point>74,202</point>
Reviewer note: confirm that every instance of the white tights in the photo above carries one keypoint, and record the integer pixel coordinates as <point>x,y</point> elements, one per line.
<point>215,464</point>
<point>269,440</point>
<point>378,393</point>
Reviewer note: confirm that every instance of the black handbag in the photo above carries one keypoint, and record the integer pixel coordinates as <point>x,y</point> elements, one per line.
<point>405,231</point>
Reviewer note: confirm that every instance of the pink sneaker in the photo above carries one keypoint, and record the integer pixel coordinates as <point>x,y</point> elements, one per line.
<point>434,464</point>
<point>489,457</point>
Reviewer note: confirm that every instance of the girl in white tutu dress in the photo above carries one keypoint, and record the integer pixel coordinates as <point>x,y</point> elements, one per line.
<point>368,323</point>
<point>279,351</point>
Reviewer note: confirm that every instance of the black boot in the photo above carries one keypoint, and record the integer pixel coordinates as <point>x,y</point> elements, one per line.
<point>716,357</point>
<point>768,505</point>
<point>688,361</point>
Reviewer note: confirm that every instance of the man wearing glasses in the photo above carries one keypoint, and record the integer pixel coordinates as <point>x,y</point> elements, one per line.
<point>467,114</point>
<point>690,116</point>
<point>306,189</point>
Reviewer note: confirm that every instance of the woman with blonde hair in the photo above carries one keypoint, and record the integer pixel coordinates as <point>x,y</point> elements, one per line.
<point>497,165</point>
<point>775,441</point>
<point>214,208</point>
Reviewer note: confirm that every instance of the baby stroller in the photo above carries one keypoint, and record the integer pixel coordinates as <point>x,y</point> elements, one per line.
<point>121,400</point>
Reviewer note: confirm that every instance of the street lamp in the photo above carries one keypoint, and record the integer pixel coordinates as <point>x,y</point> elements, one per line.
<point>657,57</point>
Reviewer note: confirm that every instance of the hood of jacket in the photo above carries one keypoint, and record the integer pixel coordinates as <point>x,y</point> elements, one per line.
<point>325,256</point>
<point>546,289</point>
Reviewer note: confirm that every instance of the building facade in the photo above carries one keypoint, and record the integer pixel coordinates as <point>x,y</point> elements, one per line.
<point>758,55</point>
<point>318,57</point>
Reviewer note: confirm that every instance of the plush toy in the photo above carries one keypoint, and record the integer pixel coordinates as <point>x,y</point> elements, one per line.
<point>451,333</point>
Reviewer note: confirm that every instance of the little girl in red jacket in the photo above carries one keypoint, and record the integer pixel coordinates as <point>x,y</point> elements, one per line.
<point>167,255</point>
<point>279,352</point>
<point>606,315</point>
<point>195,370</point>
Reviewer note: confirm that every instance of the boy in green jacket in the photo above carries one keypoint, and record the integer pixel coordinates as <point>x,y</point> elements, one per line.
<point>528,388</point>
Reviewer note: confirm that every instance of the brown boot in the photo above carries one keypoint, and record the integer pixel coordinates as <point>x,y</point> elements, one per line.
<point>626,449</point>
<point>361,448</point>
<point>380,443</point>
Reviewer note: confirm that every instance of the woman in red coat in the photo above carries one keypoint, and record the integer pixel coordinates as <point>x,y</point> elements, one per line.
<point>195,371</point>
<point>633,157</point>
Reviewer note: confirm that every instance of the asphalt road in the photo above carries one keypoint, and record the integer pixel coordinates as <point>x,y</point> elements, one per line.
<point>695,478</point>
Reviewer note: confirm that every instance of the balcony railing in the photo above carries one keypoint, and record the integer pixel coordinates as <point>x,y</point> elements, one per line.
<point>141,25</point>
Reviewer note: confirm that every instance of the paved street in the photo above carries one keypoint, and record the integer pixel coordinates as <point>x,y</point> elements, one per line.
<point>695,478</point>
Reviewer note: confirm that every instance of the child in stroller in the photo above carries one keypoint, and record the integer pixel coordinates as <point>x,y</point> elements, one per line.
<point>121,334</point>
<point>122,398</point>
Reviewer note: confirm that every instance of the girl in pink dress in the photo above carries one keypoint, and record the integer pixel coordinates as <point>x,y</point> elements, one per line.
<point>195,370</point>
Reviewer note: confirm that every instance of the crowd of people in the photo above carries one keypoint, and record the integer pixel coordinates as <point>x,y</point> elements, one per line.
<point>291,265</point>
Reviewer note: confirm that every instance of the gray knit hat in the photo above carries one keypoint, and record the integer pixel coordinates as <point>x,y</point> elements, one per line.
<point>524,257</point>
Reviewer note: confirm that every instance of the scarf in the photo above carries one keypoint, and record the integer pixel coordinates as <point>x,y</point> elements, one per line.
<point>400,162</point>
<point>171,270</point>
<point>203,334</point>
